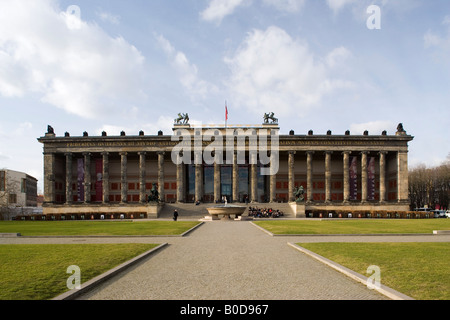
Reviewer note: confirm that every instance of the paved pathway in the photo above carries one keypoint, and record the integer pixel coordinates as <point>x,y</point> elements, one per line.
<point>231,261</point>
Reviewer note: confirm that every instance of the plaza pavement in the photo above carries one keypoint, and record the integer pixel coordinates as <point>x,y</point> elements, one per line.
<point>231,261</point>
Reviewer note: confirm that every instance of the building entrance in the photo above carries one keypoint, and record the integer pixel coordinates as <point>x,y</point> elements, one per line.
<point>226,182</point>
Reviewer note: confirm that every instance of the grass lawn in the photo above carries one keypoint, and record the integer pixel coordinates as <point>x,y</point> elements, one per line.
<point>355,226</point>
<point>96,228</point>
<point>419,270</point>
<point>38,272</point>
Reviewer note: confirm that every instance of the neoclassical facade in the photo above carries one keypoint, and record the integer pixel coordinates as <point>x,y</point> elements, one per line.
<point>116,173</point>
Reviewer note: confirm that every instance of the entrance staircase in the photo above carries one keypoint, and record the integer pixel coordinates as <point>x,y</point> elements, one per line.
<point>191,211</point>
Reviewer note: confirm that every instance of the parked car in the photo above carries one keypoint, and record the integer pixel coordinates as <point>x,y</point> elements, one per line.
<point>440,214</point>
<point>447,213</point>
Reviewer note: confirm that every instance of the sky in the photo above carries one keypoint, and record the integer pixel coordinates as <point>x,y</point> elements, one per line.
<point>338,65</point>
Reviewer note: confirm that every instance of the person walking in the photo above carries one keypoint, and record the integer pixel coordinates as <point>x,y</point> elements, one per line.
<point>175,215</point>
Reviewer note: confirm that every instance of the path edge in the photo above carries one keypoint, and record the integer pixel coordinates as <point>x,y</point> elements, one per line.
<point>89,285</point>
<point>384,290</point>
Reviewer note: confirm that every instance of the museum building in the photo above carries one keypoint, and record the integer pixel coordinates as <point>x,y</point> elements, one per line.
<point>116,174</point>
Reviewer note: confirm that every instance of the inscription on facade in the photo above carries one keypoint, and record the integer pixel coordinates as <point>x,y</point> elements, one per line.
<point>205,143</point>
<point>121,144</point>
<point>331,143</point>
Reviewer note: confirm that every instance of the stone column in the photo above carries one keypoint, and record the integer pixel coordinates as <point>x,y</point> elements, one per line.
<point>49,178</point>
<point>87,177</point>
<point>253,178</point>
<point>180,180</point>
<point>198,177</point>
<point>402,180</point>
<point>382,176</point>
<point>123,177</point>
<point>235,190</point>
<point>198,182</point>
<point>328,176</point>
<point>363,176</point>
<point>346,159</point>
<point>291,176</point>
<point>105,177</point>
<point>217,182</point>
<point>272,186</point>
<point>69,172</point>
<point>161,176</point>
<point>142,173</point>
<point>309,175</point>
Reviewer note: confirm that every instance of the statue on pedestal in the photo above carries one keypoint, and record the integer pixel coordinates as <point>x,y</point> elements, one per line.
<point>299,194</point>
<point>154,194</point>
<point>400,130</point>
<point>183,118</point>
<point>270,117</point>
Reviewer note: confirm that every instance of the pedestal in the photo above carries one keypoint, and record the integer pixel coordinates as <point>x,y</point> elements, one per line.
<point>153,210</point>
<point>299,209</point>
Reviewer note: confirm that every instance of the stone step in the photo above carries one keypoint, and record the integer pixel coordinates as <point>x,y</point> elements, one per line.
<point>192,211</point>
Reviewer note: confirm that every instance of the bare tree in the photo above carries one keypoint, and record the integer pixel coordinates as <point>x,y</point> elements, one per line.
<point>430,186</point>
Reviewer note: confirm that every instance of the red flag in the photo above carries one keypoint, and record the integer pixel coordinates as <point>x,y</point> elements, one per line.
<point>226,112</point>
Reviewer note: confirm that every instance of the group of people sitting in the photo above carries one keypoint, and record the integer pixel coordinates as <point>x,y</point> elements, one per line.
<point>264,213</point>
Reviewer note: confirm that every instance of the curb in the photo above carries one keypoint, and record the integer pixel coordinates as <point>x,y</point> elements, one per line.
<point>346,234</point>
<point>441,231</point>
<point>89,285</point>
<point>350,235</point>
<point>191,229</point>
<point>262,229</point>
<point>386,291</point>
<point>10,235</point>
<point>121,236</point>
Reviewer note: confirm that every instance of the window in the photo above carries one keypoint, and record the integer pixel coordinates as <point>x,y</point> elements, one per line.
<point>23,186</point>
<point>12,198</point>
<point>2,181</point>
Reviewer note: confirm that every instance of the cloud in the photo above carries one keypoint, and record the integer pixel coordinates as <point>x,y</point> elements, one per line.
<point>163,123</point>
<point>219,9</point>
<point>23,128</point>
<point>438,44</point>
<point>374,127</point>
<point>337,56</point>
<point>286,5</point>
<point>435,40</point>
<point>337,5</point>
<point>430,40</point>
<point>187,72</point>
<point>271,71</point>
<point>2,158</point>
<point>109,17</point>
<point>70,63</point>
<point>359,7</point>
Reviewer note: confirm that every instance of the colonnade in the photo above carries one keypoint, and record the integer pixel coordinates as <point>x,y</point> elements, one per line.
<point>402,177</point>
